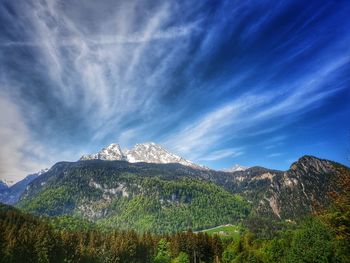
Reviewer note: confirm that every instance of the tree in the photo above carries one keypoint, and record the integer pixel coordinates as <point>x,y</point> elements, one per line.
<point>311,243</point>
<point>181,258</point>
<point>163,254</point>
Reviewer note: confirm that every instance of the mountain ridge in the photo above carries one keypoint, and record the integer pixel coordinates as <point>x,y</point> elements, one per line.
<point>11,194</point>
<point>149,152</point>
<point>152,195</point>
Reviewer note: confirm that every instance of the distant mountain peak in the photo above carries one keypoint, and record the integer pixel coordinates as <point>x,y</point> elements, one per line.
<point>12,193</point>
<point>148,152</point>
<point>235,168</point>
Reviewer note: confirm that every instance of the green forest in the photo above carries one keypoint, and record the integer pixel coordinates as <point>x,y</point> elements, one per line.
<point>322,237</point>
<point>152,203</point>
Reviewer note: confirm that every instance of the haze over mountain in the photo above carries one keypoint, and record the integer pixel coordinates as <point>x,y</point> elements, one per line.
<point>11,194</point>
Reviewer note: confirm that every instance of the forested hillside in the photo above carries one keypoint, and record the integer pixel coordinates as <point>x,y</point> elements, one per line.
<point>322,237</point>
<point>154,200</point>
<point>165,198</point>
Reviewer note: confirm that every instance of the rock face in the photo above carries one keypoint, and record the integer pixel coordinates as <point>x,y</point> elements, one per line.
<point>144,152</point>
<point>298,191</point>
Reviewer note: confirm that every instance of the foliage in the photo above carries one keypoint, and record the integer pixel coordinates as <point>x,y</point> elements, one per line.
<point>129,201</point>
<point>163,254</point>
<point>24,238</point>
<point>181,258</point>
<point>163,205</point>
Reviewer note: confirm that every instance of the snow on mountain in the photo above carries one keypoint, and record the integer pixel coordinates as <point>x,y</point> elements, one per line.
<point>111,153</point>
<point>40,172</point>
<point>144,152</point>
<point>235,168</point>
<point>153,153</point>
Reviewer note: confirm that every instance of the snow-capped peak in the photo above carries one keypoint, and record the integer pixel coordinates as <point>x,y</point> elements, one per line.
<point>110,153</point>
<point>235,168</point>
<point>153,153</point>
<point>149,152</point>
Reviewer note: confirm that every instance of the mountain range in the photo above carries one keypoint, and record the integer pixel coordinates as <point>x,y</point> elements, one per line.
<point>11,194</point>
<point>144,152</point>
<point>150,189</point>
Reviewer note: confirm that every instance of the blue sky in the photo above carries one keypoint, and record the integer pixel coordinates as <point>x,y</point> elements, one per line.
<point>217,82</point>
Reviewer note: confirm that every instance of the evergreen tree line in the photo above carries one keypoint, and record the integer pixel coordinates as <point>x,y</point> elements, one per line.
<point>25,238</point>
<point>321,238</point>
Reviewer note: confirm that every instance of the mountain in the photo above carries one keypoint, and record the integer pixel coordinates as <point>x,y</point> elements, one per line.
<point>235,168</point>
<point>11,195</point>
<point>173,197</point>
<point>3,186</point>
<point>111,153</point>
<point>140,196</point>
<point>305,187</point>
<point>144,152</point>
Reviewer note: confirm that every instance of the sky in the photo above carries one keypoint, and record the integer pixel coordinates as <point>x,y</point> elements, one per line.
<point>217,82</point>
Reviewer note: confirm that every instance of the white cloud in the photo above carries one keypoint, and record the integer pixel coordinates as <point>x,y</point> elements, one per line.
<point>103,74</point>
<point>18,152</point>
<point>224,153</point>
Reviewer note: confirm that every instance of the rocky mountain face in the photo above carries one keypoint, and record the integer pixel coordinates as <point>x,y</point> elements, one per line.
<point>144,152</point>
<point>162,196</point>
<point>304,187</point>
<point>10,195</point>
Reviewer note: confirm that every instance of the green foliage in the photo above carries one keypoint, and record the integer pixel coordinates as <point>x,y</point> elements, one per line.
<point>170,206</point>
<point>163,253</point>
<point>311,243</point>
<point>181,258</point>
<point>157,203</point>
<point>277,249</point>
<point>70,223</point>
<point>24,238</point>
<point>50,202</point>
<point>130,201</point>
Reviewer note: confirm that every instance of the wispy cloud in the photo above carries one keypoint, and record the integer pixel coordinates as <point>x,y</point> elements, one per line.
<point>101,78</point>
<point>220,154</point>
<point>204,80</point>
<point>271,155</point>
<point>248,111</point>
